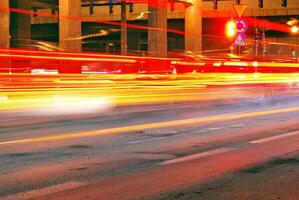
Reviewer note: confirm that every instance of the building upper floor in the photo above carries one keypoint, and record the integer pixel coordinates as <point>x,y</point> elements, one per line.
<point>139,11</point>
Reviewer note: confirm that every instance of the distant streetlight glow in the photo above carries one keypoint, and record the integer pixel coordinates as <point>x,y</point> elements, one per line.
<point>294,29</point>
<point>230,29</point>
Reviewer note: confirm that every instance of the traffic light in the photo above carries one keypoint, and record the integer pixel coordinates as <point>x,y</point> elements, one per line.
<point>230,29</point>
<point>91,7</point>
<point>215,4</point>
<point>284,3</point>
<point>294,29</point>
<point>261,3</point>
<point>110,6</point>
<point>131,7</point>
<point>265,49</point>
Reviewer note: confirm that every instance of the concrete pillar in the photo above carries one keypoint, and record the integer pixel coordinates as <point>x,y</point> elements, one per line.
<point>4,36</point>
<point>157,39</point>
<point>124,38</point>
<point>70,32</point>
<point>193,27</point>
<point>70,29</point>
<point>20,23</point>
<point>4,24</point>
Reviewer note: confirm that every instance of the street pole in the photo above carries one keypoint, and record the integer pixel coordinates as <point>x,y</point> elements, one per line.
<point>124,39</point>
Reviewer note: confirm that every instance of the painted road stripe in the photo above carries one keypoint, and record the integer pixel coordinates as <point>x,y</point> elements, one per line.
<point>43,191</point>
<point>148,126</point>
<point>198,156</point>
<point>160,138</point>
<point>146,140</point>
<point>276,137</point>
<point>215,128</point>
<point>237,125</point>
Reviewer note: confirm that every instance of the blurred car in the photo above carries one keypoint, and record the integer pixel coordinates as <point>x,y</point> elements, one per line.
<point>34,66</point>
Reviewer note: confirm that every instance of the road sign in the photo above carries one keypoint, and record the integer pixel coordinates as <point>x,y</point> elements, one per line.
<point>241,25</point>
<point>240,9</point>
<point>240,39</point>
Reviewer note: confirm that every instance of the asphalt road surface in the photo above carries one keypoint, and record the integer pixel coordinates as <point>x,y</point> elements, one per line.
<point>166,151</point>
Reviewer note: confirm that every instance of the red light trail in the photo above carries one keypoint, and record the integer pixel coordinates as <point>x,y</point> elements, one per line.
<point>251,21</point>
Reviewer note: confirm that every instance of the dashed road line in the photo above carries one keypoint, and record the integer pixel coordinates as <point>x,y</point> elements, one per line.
<point>44,191</point>
<point>215,128</point>
<point>237,125</point>
<point>198,156</point>
<point>146,140</point>
<point>276,137</point>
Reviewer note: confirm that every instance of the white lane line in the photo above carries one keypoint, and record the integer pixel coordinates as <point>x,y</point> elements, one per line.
<point>276,137</point>
<point>215,128</point>
<point>158,138</point>
<point>237,125</point>
<point>146,140</point>
<point>43,191</point>
<point>197,156</point>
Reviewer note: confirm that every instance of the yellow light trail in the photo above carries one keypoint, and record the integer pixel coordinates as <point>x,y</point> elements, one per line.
<point>30,92</point>
<point>140,127</point>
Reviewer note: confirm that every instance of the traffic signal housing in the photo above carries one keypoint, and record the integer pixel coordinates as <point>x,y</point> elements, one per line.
<point>261,3</point>
<point>215,4</point>
<point>110,7</point>
<point>284,3</point>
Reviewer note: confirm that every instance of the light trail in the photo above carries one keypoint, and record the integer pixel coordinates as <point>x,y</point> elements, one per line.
<point>83,55</point>
<point>141,127</point>
<point>30,93</point>
<point>67,58</point>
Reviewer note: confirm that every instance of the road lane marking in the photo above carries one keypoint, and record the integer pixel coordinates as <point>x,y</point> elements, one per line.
<point>215,128</point>
<point>276,137</point>
<point>237,125</point>
<point>146,140</point>
<point>142,127</point>
<point>44,191</point>
<point>198,156</point>
<point>158,138</point>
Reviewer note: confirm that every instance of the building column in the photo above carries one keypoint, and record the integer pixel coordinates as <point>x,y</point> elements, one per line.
<point>157,39</point>
<point>70,29</point>
<point>4,24</point>
<point>124,37</point>
<point>20,23</point>
<point>4,36</point>
<point>193,27</point>
<point>70,32</point>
